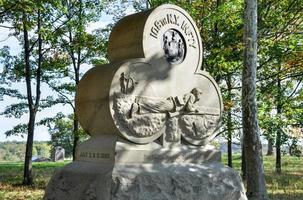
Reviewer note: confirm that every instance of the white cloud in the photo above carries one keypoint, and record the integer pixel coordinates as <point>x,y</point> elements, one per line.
<point>102,23</point>
<point>11,41</point>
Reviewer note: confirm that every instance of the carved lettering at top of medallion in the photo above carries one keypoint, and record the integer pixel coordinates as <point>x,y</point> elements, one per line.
<point>173,19</point>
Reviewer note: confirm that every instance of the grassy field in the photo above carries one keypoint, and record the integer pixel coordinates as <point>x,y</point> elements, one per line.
<point>11,176</point>
<point>288,186</point>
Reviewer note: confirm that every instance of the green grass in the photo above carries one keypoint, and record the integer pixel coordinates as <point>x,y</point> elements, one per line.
<point>287,186</point>
<point>11,176</point>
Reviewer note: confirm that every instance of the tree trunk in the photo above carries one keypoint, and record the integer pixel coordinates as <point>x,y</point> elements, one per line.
<point>76,65</point>
<point>76,135</point>
<point>229,124</point>
<point>33,107</point>
<point>76,122</point>
<point>28,175</point>
<point>243,163</point>
<point>270,149</point>
<point>278,152</point>
<point>256,189</point>
<point>278,137</point>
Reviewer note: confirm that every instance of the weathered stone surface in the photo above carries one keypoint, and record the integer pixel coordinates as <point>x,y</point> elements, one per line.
<point>88,181</point>
<point>80,181</point>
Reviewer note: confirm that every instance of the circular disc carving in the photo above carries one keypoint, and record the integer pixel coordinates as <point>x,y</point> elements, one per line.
<point>141,36</point>
<point>200,127</point>
<point>128,93</point>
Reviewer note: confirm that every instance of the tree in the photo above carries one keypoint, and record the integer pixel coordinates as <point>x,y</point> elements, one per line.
<point>256,189</point>
<point>29,20</point>
<point>279,71</point>
<point>60,128</point>
<point>79,47</point>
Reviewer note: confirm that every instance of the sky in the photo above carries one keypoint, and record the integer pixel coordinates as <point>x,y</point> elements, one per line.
<point>41,132</point>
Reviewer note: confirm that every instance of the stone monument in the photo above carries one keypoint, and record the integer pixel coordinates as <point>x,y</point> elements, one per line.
<point>58,154</point>
<point>151,113</point>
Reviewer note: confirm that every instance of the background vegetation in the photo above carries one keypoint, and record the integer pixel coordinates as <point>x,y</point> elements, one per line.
<point>15,151</point>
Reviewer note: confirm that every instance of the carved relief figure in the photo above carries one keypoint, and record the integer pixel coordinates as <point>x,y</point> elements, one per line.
<point>145,105</point>
<point>122,83</point>
<point>186,104</point>
<point>127,84</point>
<point>172,105</point>
<point>180,115</point>
<point>172,131</point>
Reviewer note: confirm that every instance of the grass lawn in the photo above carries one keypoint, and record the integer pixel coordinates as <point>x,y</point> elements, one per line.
<point>11,174</point>
<point>288,186</point>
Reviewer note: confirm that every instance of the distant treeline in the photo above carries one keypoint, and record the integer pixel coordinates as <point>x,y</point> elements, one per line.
<point>15,150</point>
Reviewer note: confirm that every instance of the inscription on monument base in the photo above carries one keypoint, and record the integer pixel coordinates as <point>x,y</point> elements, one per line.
<point>174,155</point>
<point>152,157</point>
<point>95,156</point>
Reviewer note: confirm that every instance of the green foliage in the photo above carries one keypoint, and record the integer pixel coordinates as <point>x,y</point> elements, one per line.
<point>15,110</point>
<point>15,151</point>
<point>61,131</point>
<point>280,68</point>
<point>26,17</point>
<point>65,46</point>
<point>19,129</point>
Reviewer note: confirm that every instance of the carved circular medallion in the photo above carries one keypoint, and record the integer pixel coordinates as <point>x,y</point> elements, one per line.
<point>133,104</point>
<point>144,109</point>
<point>174,46</point>
<point>149,34</point>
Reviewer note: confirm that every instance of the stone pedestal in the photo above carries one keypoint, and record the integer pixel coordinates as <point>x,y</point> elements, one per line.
<point>96,181</point>
<point>110,168</point>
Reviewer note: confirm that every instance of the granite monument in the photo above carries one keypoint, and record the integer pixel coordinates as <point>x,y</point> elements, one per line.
<point>58,154</point>
<point>151,113</point>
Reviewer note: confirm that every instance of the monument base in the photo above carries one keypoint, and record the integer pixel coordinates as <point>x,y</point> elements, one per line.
<point>109,149</point>
<point>145,181</point>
